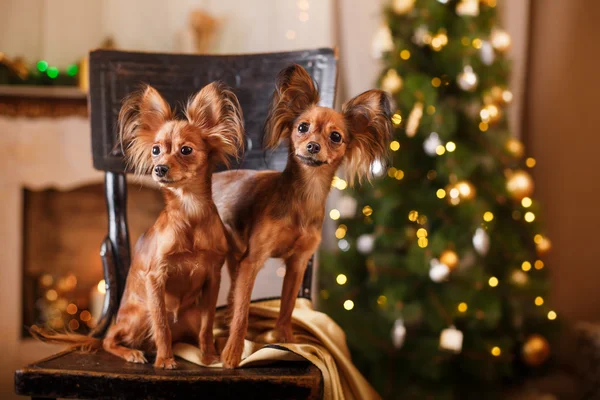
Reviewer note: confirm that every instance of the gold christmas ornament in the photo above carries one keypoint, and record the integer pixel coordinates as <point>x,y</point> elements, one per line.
<point>449,258</point>
<point>500,39</point>
<point>536,350</point>
<point>519,184</point>
<point>515,147</point>
<point>401,7</point>
<point>414,119</point>
<point>391,82</point>
<point>542,244</point>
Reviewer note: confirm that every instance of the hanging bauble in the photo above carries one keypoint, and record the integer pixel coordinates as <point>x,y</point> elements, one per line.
<point>438,272</point>
<point>391,82</point>
<point>414,119</point>
<point>515,148</point>
<point>467,79</point>
<point>519,184</point>
<point>536,350</point>
<point>449,258</point>
<point>382,41</point>
<point>401,7</point>
<point>398,333</point>
<point>365,243</point>
<point>542,244</point>
<point>377,168</point>
<point>500,39</point>
<point>422,36</point>
<point>468,8</point>
<point>451,339</point>
<point>481,241</point>
<point>346,206</point>
<point>431,144</point>
<point>486,52</point>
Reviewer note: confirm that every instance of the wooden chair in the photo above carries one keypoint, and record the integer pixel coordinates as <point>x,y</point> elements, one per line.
<point>113,75</point>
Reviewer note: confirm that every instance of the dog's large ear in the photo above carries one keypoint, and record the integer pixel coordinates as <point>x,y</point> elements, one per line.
<point>294,94</point>
<point>141,116</point>
<point>368,119</point>
<point>217,112</point>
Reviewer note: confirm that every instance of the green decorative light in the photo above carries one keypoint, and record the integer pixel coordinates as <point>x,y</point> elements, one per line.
<point>52,72</point>
<point>72,70</point>
<point>42,65</point>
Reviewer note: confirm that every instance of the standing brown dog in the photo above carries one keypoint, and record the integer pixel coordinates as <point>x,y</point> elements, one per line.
<point>181,256</point>
<point>280,214</point>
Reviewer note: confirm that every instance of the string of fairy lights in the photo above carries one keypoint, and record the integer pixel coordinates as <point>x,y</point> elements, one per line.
<point>519,183</point>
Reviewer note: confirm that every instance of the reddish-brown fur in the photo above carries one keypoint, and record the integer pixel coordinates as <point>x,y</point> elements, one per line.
<point>273,214</point>
<point>173,283</point>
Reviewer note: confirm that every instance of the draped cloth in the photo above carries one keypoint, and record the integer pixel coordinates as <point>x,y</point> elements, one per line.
<point>321,341</point>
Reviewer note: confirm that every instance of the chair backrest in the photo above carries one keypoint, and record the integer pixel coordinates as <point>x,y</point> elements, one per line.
<point>115,74</point>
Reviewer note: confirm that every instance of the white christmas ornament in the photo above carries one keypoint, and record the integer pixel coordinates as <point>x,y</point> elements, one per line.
<point>481,241</point>
<point>468,8</point>
<point>398,333</point>
<point>346,206</point>
<point>391,82</point>
<point>344,245</point>
<point>438,272</point>
<point>403,6</point>
<point>487,53</point>
<point>467,79</point>
<point>422,35</point>
<point>500,39</point>
<point>382,41</point>
<point>431,144</point>
<point>377,168</point>
<point>451,339</point>
<point>365,243</point>
<point>443,1</point>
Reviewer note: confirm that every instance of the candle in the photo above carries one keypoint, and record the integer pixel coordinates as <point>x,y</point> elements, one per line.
<point>97,299</point>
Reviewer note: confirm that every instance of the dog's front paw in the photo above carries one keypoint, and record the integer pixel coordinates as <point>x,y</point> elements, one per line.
<point>135,356</point>
<point>165,362</point>
<point>232,353</point>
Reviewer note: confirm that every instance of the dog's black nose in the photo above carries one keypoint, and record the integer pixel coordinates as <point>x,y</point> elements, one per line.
<point>313,147</point>
<point>161,170</point>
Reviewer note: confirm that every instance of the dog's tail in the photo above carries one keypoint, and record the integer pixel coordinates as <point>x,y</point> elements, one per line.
<point>72,340</point>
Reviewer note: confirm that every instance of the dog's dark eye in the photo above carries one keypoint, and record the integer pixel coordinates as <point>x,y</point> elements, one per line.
<point>156,150</point>
<point>186,150</point>
<point>303,127</point>
<point>335,137</point>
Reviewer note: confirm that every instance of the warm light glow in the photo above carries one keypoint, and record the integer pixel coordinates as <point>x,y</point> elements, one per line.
<point>399,175</point>
<point>290,34</point>
<point>303,4</point>
<point>392,172</point>
<point>526,202</point>
<point>413,215</point>
<point>530,162</point>
<point>485,115</point>
<point>422,220</point>
<point>488,216</point>
<point>526,266</point>
<point>493,281</point>
<point>334,214</point>
<point>496,351</point>
<point>72,309</point>
<point>440,150</point>
<point>538,238</point>
<point>395,145</point>
<point>539,264</point>
<point>85,315</point>
<point>430,110</point>
<point>51,295</point>
<point>46,280</point>
<point>341,279</point>
<point>397,119</point>
<point>367,211</point>
<point>507,96</point>
<point>551,315</point>
<point>441,193</point>
<point>422,242</point>
<point>462,307</point>
<point>529,216</point>
<point>539,301</point>
<point>465,41</point>
<point>382,300</point>
<point>340,232</point>
<point>421,232</point>
<point>450,146</point>
<point>436,82</point>
<point>454,193</point>
<point>102,286</point>
<point>405,54</point>
<point>280,272</point>
<point>477,43</point>
<point>348,305</point>
<point>483,126</point>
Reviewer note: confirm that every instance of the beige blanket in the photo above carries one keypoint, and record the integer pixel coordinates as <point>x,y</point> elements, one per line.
<point>322,342</point>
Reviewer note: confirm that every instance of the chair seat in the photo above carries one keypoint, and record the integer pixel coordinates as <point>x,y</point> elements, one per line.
<point>73,374</point>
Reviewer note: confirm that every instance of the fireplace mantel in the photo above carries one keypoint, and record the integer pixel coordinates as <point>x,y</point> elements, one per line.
<point>40,101</point>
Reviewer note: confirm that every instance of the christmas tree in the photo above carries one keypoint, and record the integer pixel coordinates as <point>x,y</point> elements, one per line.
<point>439,280</point>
